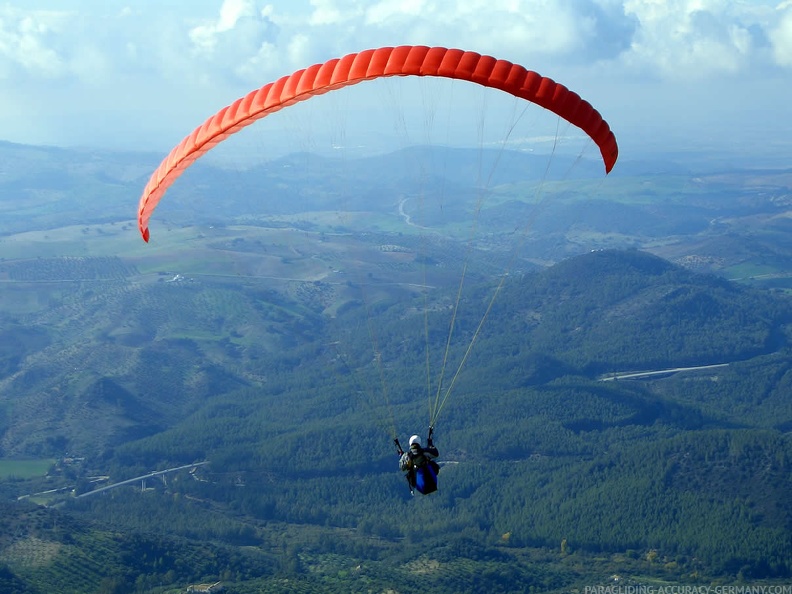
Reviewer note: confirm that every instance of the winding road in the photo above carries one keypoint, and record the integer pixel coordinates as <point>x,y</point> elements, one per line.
<point>640,374</point>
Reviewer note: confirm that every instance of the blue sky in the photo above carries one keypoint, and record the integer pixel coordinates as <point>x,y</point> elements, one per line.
<point>669,75</point>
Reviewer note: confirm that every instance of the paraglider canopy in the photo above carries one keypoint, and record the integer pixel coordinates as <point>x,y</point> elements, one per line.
<point>367,65</point>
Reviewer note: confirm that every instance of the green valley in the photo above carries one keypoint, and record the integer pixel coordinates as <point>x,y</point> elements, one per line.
<point>282,345</point>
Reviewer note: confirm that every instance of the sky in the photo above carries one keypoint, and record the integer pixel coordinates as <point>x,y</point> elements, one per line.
<point>668,75</point>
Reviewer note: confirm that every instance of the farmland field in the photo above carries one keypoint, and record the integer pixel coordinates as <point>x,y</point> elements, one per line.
<point>25,469</point>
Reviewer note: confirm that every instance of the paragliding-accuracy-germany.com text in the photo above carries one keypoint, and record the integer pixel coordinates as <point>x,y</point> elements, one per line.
<point>688,589</point>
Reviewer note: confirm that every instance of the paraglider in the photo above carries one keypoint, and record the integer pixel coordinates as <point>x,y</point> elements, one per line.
<point>418,463</point>
<point>367,65</point>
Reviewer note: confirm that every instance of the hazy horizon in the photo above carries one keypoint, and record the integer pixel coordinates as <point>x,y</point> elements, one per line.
<point>703,75</point>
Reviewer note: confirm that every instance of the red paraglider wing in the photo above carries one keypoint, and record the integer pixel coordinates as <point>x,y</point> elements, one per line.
<point>367,65</point>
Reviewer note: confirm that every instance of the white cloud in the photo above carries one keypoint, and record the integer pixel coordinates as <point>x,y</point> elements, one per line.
<point>298,50</point>
<point>206,37</point>
<point>237,46</point>
<point>250,38</point>
<point>186,59</point>
<point>781,35</point>
<point>689,38</point>
<point>25,42</point>
<point>488,26</point>
<point>385,10</point>
<point>334,12</point>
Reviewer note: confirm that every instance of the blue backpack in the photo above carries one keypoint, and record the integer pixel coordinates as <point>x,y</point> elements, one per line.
<point>426,477</point>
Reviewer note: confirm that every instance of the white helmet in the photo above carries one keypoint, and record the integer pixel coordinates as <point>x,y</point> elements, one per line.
<point>415,440</point>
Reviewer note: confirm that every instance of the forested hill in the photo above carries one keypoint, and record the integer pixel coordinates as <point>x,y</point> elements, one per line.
<point>249,338</point>
<point>546,470</point>
<point>145,368</point>
<point>615,310</point>
<point>690,469</point>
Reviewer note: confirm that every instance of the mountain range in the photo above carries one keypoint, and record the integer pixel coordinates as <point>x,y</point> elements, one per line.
<point>287,347</point>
